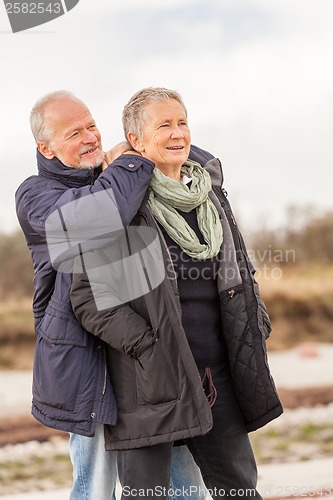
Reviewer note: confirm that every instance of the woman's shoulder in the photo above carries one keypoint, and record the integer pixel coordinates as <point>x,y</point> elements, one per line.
<point>200,155</point>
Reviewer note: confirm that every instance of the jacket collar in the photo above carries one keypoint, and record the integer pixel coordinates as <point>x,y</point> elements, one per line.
<point>71,177</point>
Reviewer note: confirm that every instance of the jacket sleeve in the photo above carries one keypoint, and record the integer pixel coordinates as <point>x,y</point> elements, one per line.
<point>263,316</point>
<point>119,326</point>
<point>262,313</point>
<point>75,220</point>
<point>125,181</point>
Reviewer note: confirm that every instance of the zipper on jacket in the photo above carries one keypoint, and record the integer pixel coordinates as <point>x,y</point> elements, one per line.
<point>227,295</point>
<point>105,371</point>
<point>92,181</point>
<point>233,218</point>
<point>221,194</point>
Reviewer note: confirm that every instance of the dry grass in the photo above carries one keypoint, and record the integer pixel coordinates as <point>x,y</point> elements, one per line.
<point>300,304</point>
<point>296,281</point>
<point>16,334</point>
<point>16,320</point>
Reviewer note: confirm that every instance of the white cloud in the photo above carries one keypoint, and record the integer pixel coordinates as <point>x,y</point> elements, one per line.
<point>255,75</point>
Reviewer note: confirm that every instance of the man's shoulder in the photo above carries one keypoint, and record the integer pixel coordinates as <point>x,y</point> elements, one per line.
<point>28,181</point>
<point>36,196</point>
<point>38,183</point>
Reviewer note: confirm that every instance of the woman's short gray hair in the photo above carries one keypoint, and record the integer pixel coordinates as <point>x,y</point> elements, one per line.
<point>134,111</point>
<point>41,129</point>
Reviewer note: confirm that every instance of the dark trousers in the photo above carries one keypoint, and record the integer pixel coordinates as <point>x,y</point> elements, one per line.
<point>224,455</point>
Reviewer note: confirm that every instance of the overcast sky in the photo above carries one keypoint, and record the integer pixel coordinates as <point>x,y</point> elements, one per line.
<point>256,76</point>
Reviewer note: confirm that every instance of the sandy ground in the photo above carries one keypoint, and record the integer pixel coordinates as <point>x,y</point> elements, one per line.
<point>296,480</point>
<point>302,367</point>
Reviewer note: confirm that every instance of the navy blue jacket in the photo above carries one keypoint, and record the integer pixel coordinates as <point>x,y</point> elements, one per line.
<point>71,388</point>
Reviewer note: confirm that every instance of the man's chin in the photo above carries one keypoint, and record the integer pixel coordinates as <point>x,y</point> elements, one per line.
<point>84,165</point>
<point>89,165</point>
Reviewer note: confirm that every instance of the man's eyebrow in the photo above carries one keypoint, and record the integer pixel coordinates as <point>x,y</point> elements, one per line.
<point>71,131</point>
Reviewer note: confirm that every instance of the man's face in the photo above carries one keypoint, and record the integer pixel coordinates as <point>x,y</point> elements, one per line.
<point>76,140</point>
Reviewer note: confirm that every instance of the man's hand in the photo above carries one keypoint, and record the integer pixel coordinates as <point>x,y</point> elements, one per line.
<point>120,149</point>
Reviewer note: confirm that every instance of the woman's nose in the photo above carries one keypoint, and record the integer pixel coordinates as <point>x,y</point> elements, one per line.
<point>177,132</point>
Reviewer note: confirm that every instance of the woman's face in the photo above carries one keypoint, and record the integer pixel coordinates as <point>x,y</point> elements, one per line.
<point>166,136</point>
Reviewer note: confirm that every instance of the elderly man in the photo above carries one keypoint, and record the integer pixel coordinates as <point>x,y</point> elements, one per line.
<point>71,388</point>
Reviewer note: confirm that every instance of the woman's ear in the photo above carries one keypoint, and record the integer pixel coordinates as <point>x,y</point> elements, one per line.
<point>45,150</point>
<point>135,142</point>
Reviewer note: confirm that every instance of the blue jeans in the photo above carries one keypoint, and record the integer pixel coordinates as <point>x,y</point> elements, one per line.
<point>185,475</point>
<point>95,470</point>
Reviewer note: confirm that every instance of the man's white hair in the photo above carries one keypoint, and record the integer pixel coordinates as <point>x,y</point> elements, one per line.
<point>41,129</point>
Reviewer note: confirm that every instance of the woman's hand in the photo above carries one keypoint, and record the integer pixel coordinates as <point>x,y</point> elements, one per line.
<point>118,150</point>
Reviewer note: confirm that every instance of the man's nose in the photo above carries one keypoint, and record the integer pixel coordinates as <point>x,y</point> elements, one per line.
<point>88,137</point>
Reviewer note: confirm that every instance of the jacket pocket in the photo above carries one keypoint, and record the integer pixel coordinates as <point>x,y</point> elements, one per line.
<point>59,326</point>
<point>57,375</point>
<point>155,377</point>
<point>235,322</point>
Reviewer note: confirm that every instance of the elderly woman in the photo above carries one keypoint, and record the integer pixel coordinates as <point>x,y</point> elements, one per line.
<point>187,354</point>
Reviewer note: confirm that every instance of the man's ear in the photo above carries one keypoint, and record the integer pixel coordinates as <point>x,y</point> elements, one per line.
<point>45,150</point>
<point>134,141</point>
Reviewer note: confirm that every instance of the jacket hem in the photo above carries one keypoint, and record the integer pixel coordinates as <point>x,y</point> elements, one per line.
<point>83,428</point>
<point>127,444</point>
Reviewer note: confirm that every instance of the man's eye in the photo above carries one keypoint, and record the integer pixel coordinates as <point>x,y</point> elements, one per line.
<point>164,125</point>
<point>74,135</point>
<point>92,126</point>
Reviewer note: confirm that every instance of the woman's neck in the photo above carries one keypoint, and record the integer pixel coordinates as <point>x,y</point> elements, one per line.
<point>171,171</point>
